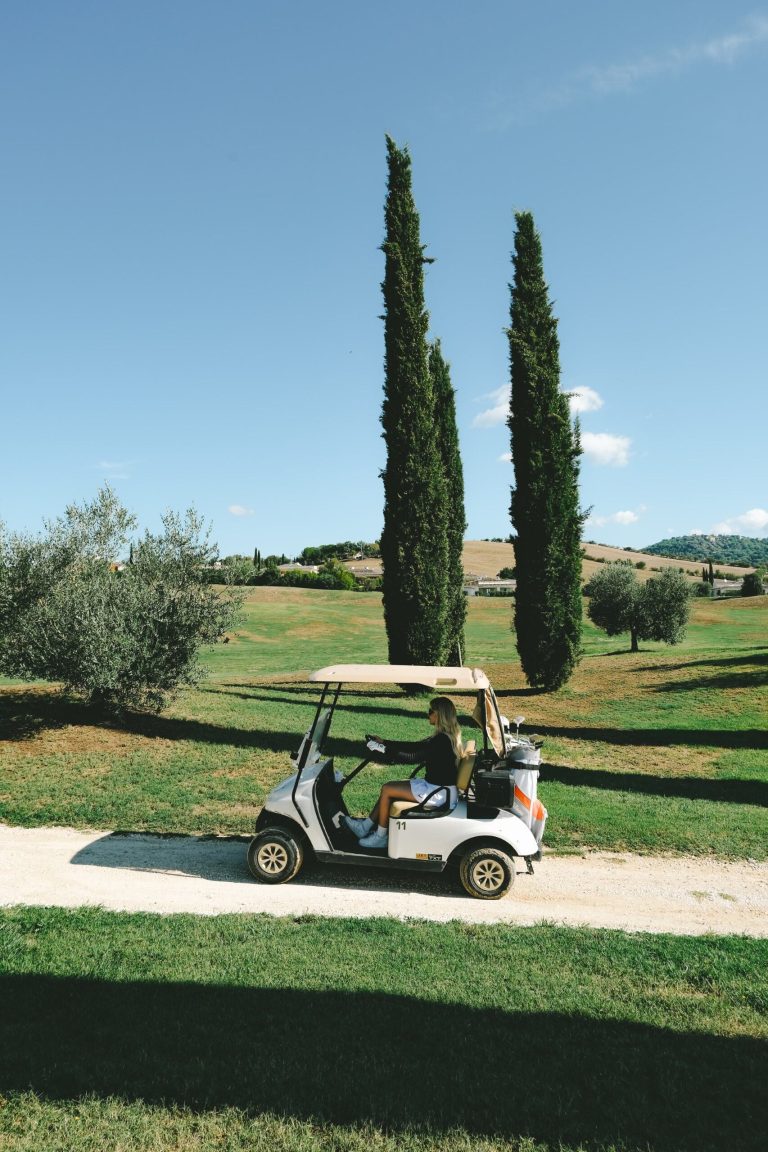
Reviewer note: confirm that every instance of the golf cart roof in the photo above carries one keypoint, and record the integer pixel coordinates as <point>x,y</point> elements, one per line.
<point>456,679</point>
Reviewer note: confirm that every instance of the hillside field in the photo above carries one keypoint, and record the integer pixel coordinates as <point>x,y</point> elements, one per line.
<point>484,559</point>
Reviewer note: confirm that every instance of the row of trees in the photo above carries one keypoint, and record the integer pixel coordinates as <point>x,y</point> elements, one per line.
<point>424,520</point>
<point>742,551</point>
<point>345,550</point>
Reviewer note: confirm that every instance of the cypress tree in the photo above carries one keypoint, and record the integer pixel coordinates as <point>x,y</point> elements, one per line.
<point>456,522</point>
<point>413,540</point>
<point>544,509</point>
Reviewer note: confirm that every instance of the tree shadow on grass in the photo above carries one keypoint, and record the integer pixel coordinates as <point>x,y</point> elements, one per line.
<point>721,681</point>
<point>754,738</point>
<point>754,792</point>
<point>434,1067</point>
<point>25,714</point>
<point>311,699</point>
<point>750,657</point>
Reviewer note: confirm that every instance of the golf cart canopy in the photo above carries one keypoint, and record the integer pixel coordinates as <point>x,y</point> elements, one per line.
<point>456,679</point>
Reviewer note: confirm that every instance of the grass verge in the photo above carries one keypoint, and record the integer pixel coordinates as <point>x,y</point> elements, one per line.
<point>139,1032</point>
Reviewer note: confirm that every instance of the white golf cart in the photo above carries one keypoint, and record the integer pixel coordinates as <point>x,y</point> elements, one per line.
<point>497,819</point>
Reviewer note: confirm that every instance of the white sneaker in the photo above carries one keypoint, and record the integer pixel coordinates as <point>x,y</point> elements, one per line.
<point>360,825</point>
<point>377,839</point>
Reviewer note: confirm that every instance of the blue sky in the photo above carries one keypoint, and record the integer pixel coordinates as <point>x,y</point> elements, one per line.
<point>192,208</point>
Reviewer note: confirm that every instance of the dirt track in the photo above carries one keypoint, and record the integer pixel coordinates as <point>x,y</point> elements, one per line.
<point>67,868</point>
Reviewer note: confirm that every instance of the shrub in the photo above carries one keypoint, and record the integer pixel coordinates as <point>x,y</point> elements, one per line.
<point>118,636</point>
<point>752,584</point>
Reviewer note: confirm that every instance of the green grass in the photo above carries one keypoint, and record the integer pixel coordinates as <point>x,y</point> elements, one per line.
<point>662,750</point>
<point>139,1033</point>
<point>144,1032</point>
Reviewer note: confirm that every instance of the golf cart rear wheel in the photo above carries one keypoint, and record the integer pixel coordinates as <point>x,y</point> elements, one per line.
<point>487,873</point>
<point>275,856</point>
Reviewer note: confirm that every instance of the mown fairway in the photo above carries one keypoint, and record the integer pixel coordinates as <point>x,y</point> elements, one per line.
<point>144,1033</point>
<point>664,750</point>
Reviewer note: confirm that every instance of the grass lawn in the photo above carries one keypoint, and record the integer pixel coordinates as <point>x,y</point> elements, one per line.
<point>152,1034</point>
<point>663,750</point>
<point>145,1032</point>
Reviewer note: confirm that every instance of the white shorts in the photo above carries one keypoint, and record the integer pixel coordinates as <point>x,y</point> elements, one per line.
<point>420,789</point>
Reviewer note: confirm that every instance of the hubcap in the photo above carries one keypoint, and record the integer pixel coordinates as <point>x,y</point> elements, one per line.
<point>273,858</point>
<point>488,875</point>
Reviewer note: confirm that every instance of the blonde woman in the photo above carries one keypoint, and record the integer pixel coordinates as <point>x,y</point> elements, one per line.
<point>440,753</point>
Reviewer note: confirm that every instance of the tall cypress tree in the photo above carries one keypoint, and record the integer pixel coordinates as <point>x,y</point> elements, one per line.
<point>545,512</point>
<point>413,540</point>
<point>456,526</point>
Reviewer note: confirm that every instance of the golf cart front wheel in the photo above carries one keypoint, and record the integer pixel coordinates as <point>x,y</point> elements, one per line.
<point>275,856</point>
<point>487,873</point>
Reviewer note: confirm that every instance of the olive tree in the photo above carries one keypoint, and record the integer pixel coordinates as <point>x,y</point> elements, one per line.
<point>121,636</point>
<point>655,610</point>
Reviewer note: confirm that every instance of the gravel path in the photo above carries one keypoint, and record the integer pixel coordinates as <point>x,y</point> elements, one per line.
<point>67,868</point>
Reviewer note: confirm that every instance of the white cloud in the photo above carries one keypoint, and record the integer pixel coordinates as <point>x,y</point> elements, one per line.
<point>113,469</point>
<point>506,457</point>
<point>239,510</point>
<point>580,400</point>
<point>583,399</point>
<point>604,80</point>
<point>605,448</point>
<point>498,413</point>
<point>756,519</point>
<point>751,523</point>
<point>719,50</point>
<point>623,517</point>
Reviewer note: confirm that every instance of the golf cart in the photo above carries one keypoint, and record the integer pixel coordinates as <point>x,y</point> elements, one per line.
<point>497,818</point>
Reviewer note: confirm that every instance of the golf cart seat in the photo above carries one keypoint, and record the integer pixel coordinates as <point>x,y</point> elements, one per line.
<point>463,777</point>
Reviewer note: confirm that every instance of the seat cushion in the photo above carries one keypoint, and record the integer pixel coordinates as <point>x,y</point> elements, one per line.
<point>466,764</point>
<point>400,806</point>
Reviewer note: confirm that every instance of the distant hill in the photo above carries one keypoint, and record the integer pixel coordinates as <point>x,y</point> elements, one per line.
<point>485,558</point>
<point>740,550</point>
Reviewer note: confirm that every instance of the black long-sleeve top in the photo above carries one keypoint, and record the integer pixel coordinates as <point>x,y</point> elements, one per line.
<point>436,753</point>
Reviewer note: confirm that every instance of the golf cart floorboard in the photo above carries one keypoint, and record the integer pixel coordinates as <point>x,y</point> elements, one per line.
<point>376,858</point>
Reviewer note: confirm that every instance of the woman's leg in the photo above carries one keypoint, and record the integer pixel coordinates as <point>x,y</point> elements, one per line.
<point>394,790</point>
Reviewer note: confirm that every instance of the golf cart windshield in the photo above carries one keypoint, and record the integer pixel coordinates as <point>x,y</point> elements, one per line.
<point>474,680</point>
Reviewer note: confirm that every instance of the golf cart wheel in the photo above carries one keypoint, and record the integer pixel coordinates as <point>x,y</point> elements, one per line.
<point>275,856</point>
<point>487,873</point>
